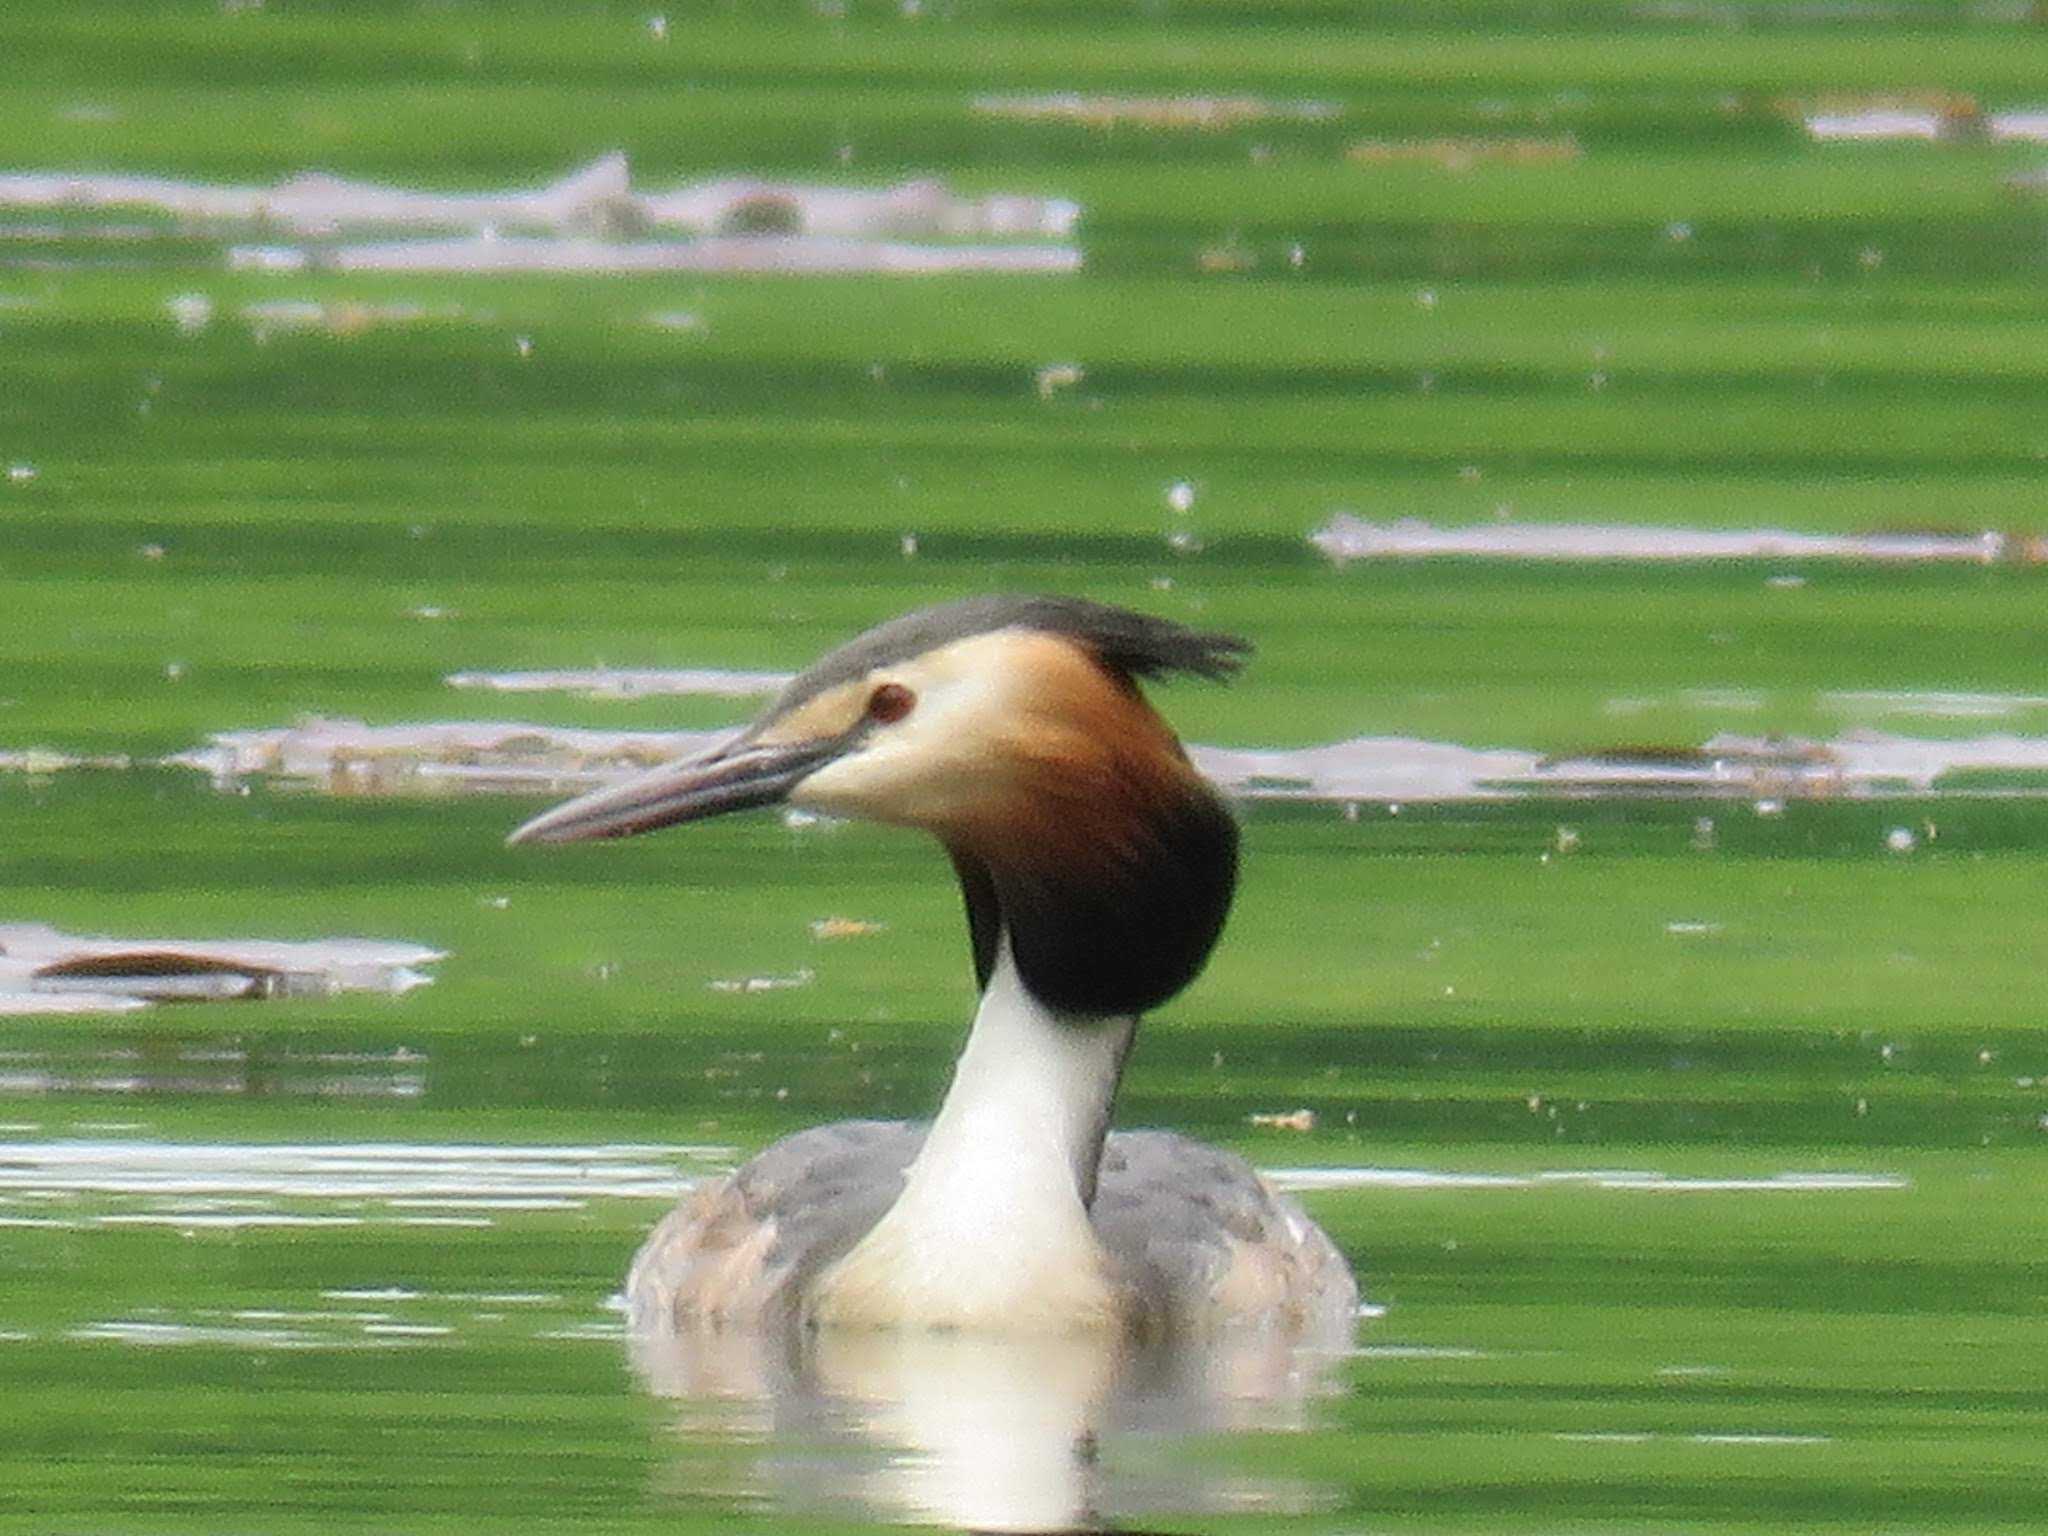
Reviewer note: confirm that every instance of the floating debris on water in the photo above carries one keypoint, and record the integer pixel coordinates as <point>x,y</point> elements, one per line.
<point>349,757</point>
<point>923,208</point>
<point>15,1004</point>
<point>130,1073</point>
<point>2029,125</point>
<point>591,220</point>
<point>1228,256</point>
<point>1302,1120</point>
<point>1871,763</point>
<point>39,761</point>
<point>1877,123</point>
<point>1391,768</point>
<point>1857,763</point>
<point>190,312</point>
<point>845,928</point>
<point>800,978</point>
<point>618,683</point>
<point>792,255</point>
<point>312,202</point>
<point>1894,114</point>
<point>1932,116</point>
<point>39,960</point>
<point>1054,377</point>
<point>1347,537</point>
<point>598,198</point>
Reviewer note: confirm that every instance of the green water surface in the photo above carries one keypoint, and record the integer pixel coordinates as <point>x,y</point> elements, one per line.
<point>1704,319</point>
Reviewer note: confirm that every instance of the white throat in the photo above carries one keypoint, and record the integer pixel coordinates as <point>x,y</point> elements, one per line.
<point>991,1230</point>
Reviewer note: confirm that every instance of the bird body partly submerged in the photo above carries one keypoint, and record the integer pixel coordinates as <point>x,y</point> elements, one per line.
<point>1097,868</point>
<point>1193,1241</point>
<point>1011,1212</point>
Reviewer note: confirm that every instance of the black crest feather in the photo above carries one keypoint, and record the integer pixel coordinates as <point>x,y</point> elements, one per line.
<point>1135,644</point>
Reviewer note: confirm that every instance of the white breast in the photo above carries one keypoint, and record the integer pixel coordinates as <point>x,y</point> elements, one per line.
<point>991,1232</point>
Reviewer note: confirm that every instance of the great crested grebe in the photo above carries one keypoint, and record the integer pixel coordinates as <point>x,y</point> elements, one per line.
<point>1097,867</point>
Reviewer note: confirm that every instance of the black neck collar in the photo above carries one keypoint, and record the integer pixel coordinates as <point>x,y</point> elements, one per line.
<point>1117,936</point>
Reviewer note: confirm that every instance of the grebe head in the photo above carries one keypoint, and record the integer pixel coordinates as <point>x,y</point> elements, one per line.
<point>1014,731</point>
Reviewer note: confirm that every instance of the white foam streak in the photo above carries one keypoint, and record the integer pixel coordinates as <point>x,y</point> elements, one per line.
<point>1420,1352</point>
<point>1295,1180</point>
<point>262,1219</point>
<point>489,1203</point>
<point>447,1177</point>
<point>1346,537</point>
<point>1299,1179</point>
<point>794,255</point>
<point>125,1331</point>
<point>596,204</point>
<point>1643,1437</point>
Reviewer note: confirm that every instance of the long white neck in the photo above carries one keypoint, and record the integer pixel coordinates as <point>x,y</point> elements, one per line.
<point>992,1230</point>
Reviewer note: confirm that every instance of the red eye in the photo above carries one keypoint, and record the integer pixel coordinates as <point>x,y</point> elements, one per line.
<point>890,703</point>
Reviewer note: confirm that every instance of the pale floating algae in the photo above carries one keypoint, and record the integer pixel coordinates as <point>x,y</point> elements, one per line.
<point>1346,538</point>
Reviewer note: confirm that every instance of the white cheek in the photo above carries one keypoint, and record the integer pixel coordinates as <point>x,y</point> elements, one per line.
<point>863,784</point>
<point>917,771</point>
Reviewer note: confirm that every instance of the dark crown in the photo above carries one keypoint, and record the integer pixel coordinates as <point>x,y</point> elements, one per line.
<point>1135,644</point>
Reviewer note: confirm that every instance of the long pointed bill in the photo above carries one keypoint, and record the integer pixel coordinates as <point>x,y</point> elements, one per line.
<point>734,776</point>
